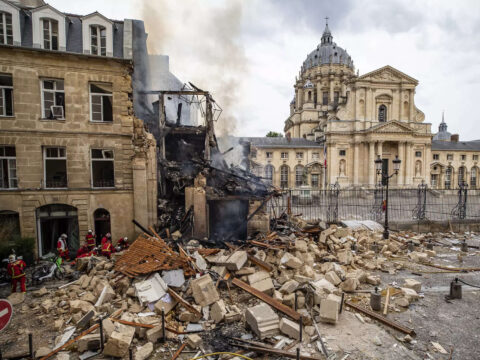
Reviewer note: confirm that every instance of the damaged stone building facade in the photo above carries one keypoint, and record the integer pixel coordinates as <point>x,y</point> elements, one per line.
<point>73,154</point>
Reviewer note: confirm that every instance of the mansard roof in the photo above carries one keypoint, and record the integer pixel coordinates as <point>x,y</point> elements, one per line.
<point>281,142</point>
<point>456,145</point>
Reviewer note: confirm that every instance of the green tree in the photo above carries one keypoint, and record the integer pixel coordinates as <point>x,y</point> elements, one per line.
<point>274,134</point>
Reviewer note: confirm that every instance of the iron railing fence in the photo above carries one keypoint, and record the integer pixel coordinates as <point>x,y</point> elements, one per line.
<point>405,205</point>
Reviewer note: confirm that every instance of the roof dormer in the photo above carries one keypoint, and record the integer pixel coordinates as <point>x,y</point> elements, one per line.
<point>48,26</point>
<point>9,24</point>
<point>97,33</point>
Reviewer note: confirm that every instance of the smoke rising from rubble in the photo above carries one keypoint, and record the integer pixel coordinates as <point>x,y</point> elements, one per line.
<point>204,46</point>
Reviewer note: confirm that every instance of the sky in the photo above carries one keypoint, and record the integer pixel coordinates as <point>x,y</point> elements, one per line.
<point>248,52</point>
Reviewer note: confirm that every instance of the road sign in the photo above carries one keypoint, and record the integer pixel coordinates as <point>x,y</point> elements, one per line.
<point>6,313</point>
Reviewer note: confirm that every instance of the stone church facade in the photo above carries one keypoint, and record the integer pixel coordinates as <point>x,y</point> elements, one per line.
<point>351,120</point>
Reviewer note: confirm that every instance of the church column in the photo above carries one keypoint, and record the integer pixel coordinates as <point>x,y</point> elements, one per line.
<point>400,92</point>
<point>401,151</point>
<point>408,164</point>
<point>371,163</point>
<point>380,149</point>
<point>356,163</point>
<point>411,117</point>
<point>331,82</point>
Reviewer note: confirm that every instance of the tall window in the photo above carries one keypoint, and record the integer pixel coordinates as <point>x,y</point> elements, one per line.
<point>336,96</point>
<point>298,175</point>
<point>436,156</point>
<point>448,177</point>
<point>6,30</point>
<point>269,173</point>
<point>325,98</point>
<point>55,167</point>
<point>8,167</point>
<point>461,175</point>
<point>473,178</point>
<point>315,180</point>
<point>6,95</point>
<point>382,113</point>
<point>98,40</point>
<point>50,34</point>
<point>433,180</point>
<point>53,99</point>
<point>284,176</point>
<point>102,168</point>
<point>101,102</point>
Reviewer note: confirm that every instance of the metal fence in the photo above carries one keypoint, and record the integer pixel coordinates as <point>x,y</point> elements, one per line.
<point>404,205</point>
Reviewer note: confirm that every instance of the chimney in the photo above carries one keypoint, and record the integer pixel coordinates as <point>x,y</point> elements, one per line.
<point>454,138</point>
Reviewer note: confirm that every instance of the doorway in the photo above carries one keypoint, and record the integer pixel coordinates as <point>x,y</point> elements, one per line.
<point>102,224</point>
<point>54,220</point>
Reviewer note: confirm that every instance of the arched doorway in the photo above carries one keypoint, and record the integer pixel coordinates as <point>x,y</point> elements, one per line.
<point>54,220</point>
<point>101,218</point>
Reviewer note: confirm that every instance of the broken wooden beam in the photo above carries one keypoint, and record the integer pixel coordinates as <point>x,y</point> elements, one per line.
<point>179,351</point>
<point>185,304</point>
<point>150,326</point>
<point>265,266</point>
<point>381,318</point>
<point>267,299</point>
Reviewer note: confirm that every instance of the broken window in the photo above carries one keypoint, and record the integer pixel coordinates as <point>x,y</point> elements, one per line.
<point>102,168</point>
<point>8,168</point>
<point>269,173</point>
<point>55,165</point>
<point>284,176</point>
<point>6,95</point>
<point>50,34</point>
<point>98,40</point>
<point>6,32</point>
<point>53,99</point>
<point>101,102</point>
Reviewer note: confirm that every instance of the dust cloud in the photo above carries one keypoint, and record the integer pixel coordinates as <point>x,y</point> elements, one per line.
<point>205,47</point>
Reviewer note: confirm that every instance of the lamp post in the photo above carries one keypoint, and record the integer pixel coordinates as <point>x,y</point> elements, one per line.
<point>385,179</point>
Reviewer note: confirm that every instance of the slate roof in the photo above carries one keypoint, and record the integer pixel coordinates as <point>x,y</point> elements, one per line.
<point>281,142</point>
<point>456,146</point>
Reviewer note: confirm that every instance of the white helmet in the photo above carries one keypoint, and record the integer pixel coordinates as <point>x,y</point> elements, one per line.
<point>63,236</point>
<point>125,238</point>
<point>108,235</point>
<point>11,258</point>
<point>90,231</point>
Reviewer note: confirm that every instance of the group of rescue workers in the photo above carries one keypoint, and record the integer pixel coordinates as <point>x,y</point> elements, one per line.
<point>16,267</point>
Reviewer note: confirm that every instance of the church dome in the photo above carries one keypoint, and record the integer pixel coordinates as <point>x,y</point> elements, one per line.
<point>327,52</point>
<point>443,134</point>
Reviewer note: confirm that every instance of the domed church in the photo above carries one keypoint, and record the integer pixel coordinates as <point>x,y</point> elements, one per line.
<point>341,122</point>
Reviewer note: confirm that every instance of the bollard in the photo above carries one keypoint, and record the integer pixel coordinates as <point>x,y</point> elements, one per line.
<point>455,289</point>
<point>411,247</point>
<point>30,345</point>
<point>130,353</point>
<point>376,300</point>
<point>296,301</point>
<point>301,328</point>
<point>298,353</point>
<point>341,303</point>
<point>464,246</point>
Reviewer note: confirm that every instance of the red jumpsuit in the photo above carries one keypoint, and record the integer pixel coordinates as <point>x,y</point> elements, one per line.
<point>62,249</point>
<point>90,241</point>
<point>16,270</point>
<point>82,251</point>
<point>107,249</point>
<point>104,240</point>
<point>123,243</point>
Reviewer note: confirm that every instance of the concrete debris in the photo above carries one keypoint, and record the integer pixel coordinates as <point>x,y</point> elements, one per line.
<point>143,352</point>
<point>204,291</point>
<point>290,328</point>
<point>151,289</point>
<point>119,342</point>
<point>262,320</point>
<point>194,341</point>
<point>174,278</point>
<point>413,284</point>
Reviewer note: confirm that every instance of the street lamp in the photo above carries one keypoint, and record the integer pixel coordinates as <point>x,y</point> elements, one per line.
<point>385,179</point>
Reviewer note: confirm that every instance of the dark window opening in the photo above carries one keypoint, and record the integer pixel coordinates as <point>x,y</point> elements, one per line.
<point>382,113</point>
<point>50,34</point>
<point>102,168</point>
<point>8,168</point>
<point>55,168</point>
<point>6,95</point>
<point>6,30</point>
<point>325,98</point>
<point>101,102</point>
<point>53,93</point>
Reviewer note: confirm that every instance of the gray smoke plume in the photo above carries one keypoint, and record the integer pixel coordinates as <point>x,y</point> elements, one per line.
<point>204,45</point>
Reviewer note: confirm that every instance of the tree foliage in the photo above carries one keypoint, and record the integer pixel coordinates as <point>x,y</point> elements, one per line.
<point>274,134</point>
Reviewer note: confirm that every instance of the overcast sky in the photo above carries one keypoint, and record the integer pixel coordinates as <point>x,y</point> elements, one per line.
<point>247,53</point>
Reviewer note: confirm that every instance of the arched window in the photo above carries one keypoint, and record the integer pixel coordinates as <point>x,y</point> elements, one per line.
<point>448,177</point>
<point>98,40</point>
<point>269,173</point>
<point>473,178</point>
<point>50,34</point>
<point>382,113</point>
<point>284,176</point>
<point>461,175</point>
<point>6,29</point>
<point>299,175</point>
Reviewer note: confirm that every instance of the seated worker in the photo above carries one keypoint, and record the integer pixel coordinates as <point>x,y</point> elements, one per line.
<point>107,248</point>
<point>123,244</point>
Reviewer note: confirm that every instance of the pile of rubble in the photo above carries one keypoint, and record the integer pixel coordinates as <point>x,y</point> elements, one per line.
<point>266,296</point>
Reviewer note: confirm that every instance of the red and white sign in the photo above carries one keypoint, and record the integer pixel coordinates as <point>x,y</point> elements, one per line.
<point>6,313</point>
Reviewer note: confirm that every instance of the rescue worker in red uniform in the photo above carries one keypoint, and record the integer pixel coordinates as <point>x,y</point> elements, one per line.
<point>107,248</point>
<point>90,239</point>
<point>85,249</point>
<point>123,244</point>
<point>62,247</point>
<point>16,269</point>
<point>107,237</point>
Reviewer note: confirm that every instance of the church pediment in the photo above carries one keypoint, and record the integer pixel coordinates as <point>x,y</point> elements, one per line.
<point>388,74</point>
<point>391,127</point>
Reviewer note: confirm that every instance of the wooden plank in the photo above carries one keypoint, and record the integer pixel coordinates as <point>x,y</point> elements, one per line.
<point>68,343</point>
<point>179,351</point>
<point>150,326</point>
<point>183,302</point>
<point>387,300</point>
<point>265,266</point>
<point>267,299</point>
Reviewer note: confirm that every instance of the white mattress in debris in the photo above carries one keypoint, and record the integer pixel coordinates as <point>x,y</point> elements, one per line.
<point>363,224</point>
